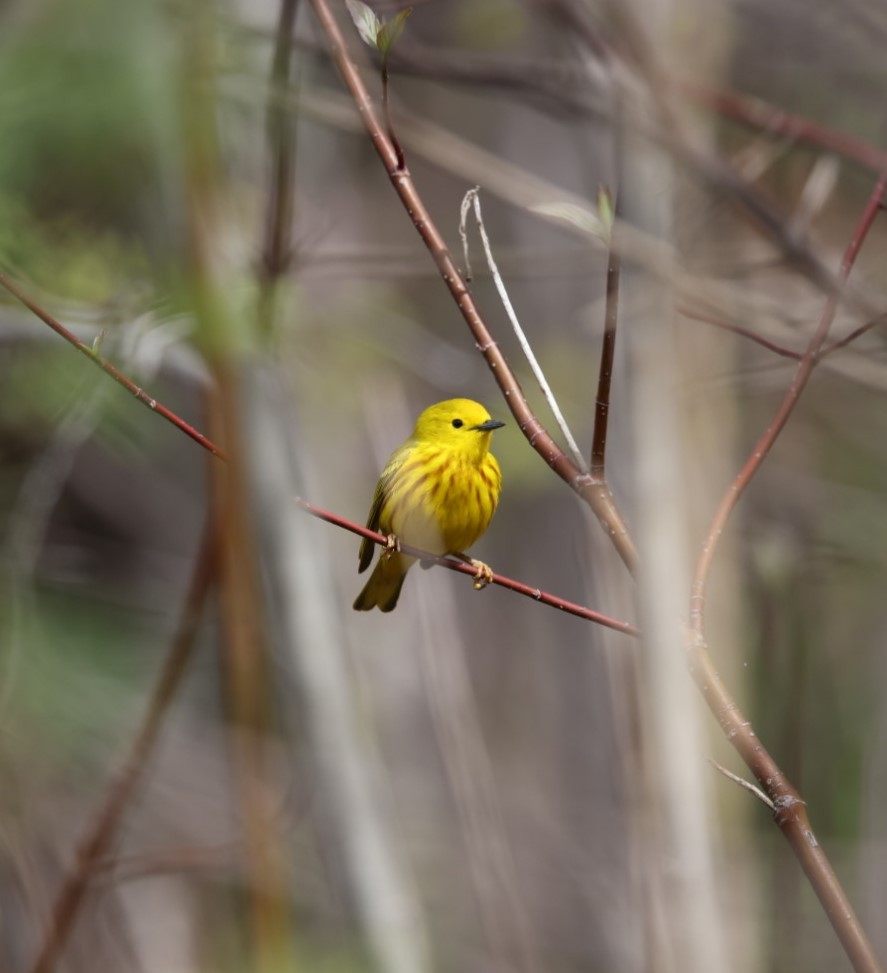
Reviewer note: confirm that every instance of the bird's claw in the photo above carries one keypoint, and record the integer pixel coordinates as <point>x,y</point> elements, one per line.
<point>392,546</point>
<point>483,574</point>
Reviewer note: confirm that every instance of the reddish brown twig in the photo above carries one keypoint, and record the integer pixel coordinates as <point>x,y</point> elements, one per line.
<point>108,368</point>
<point>709,317</point>
<point>765,443</point>
<point>717,321</point>
<point>790,811</point>
<point>544,597</point>
<point>499,579</point>
<point>839,343</point>
<point>605,373</point>
<point>595,494</point>
<point>280,128</point>
<point>103,830</point>
<point>758,114</point>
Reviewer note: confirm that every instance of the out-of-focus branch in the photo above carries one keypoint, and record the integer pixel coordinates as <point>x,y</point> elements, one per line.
<point>791,813</point>
<point>765,443</point>
<point>94,355</point>
<point>101,834</point>
<point>759,114</point>
<point>597,496</point>
<point>718,321</point>
<point>563,85</point>
<point>605,372</point>
<point>281,138</point>
<point>243,648</point>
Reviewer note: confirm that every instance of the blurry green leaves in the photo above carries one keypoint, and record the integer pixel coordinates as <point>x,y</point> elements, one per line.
<point>64,256</point>
<point>379,34</point>
<point>83,94</point>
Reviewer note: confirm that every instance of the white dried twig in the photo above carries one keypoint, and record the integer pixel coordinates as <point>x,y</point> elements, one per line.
<point>472,198</point>
<point>759,794</point>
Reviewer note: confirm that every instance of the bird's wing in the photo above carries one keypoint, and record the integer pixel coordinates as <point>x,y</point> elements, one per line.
<point>366,545</point>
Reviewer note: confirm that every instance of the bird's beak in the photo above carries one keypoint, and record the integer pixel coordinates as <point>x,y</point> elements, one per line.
<point>489,425</point>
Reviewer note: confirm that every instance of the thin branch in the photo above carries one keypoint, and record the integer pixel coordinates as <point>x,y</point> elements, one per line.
<point>759,114</point>
<point>790,810</point>
<point>563,85</point>
<point>708,317</point>
<point>596,495</point>
<point>103,830</point>
<point>838,343</point>
<point>95,357</point>
<point>748,785</point>
<point>536,594</point>
<point>472,198</point>
<point>765,443</point>
<point>281,138</point>
<point>386,110</point>
<point>605,374</point>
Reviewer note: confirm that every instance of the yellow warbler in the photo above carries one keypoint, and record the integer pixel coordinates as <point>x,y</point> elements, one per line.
<point>438,492</point>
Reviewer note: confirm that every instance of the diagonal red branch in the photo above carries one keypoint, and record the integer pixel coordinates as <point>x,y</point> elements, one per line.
<point>802,375</point>
<point>758,114</point>
<point>536,594</point>
<point>108,368</point>
<point>499,579</point>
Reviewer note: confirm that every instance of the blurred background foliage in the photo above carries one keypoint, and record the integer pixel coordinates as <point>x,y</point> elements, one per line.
<point>501,739</point>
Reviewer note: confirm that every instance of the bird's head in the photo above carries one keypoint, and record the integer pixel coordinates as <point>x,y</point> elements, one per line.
<point>458,424</point>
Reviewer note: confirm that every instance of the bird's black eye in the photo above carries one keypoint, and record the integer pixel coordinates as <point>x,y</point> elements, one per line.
<point>458,423</point>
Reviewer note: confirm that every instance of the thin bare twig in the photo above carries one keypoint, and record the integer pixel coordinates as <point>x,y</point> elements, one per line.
<point>106,366</point>
<point>759,114</point>
<point>536,594</point>
<point>709,317</point>
<point>790,810</point>
<point>716,320</point>
<point>748,785</point>
<point>605,374</point>
<point>839,343</point>
<point>103,830</point>
<point>472,199</point>
<point>281,137</point>
<point>765,443</point>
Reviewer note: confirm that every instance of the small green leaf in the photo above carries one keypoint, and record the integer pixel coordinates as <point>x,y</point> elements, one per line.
<point>365,20</point>
<point>391,31</point>
<point>605,207</point>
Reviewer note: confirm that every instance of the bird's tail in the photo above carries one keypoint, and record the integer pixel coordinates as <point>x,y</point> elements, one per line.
<point>383,587</point>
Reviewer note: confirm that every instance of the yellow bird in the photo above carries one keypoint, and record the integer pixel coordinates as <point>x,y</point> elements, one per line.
<point>438,492</point>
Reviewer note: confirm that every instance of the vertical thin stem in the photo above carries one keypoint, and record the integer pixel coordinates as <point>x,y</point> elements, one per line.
<point>243,649</point>
<point>608,350</point>
<point>790,811</point>
<point>281,136</point>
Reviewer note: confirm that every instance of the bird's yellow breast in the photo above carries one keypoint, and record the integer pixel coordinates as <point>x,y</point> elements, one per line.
<point>439,501</point>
